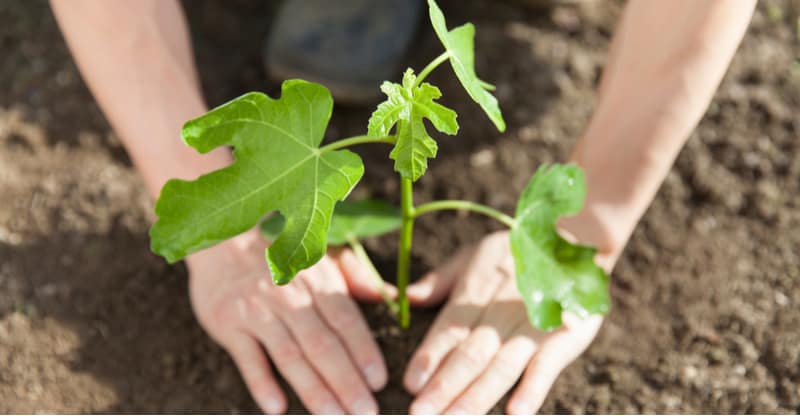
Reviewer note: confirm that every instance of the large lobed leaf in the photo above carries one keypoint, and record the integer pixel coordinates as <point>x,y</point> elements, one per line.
<point>278,166</point>
<point>460,43</point>
<point>406,107</point>
<point>554,275</point>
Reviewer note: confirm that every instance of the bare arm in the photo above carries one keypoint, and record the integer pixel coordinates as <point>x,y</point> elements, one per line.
<point>137,60</point>
<point>666,61</point>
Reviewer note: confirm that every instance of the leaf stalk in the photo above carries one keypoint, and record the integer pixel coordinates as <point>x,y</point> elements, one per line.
<point>431,66</point>
<point>464,205</point>
<point>361,253</point>
<point>352,141</point>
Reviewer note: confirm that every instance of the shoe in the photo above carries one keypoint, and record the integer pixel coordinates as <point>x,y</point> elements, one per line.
<point>350,46</point>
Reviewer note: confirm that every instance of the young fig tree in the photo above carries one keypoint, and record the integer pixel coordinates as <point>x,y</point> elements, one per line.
<point>283,178</point>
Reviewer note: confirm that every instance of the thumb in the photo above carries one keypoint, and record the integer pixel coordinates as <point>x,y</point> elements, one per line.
<point>437,284</point>
<point>363,282</point>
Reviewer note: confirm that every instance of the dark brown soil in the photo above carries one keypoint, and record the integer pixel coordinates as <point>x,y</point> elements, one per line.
<point>706,311</point>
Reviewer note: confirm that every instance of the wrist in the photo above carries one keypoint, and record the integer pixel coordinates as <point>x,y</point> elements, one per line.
<point>620,185</point>
<point>593,226</point>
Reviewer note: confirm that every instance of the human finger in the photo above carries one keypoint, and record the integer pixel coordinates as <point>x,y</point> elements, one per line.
<point>341,313</point>
<point>437,284</point>
<point>290,359</point>
<point>473,292</point>
<point>323,348</point>
<point>499,376</point>
<point>256,372</point>
<point>470,358</point>
<point>362,281</point>
<point>556,351</point>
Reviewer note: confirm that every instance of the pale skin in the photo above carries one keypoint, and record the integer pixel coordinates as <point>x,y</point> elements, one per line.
<point>665,62</point>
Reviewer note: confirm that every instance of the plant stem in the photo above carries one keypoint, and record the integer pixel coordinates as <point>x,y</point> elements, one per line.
<point>487,86</point>
<point>404,249</point>
<point>350,141</point>
<point>467,205</point>
<point>361,253</point>
<point>431,66</point>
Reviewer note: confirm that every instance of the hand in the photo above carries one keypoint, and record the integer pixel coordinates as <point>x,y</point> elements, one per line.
<point>311,328</point>
<point>481,342</point>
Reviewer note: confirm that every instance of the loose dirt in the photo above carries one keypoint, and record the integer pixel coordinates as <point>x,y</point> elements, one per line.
<point>706,313</point>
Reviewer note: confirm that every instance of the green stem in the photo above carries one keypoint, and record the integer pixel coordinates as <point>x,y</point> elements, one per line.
<point>350,141</point>
<point>431,66</point>
<point>467,205</point>
<point>487,86</point>
<point>404,250</point>
<point>361,253</point>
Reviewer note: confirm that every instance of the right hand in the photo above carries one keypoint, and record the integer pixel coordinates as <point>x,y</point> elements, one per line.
<point>311,328</point>
<point>482,343</point>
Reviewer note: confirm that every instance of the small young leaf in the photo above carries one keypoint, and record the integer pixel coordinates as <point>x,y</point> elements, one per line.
<point>552,273</point>
<point>460,43</point>
<point>279,166</point>
<point>351,220</point>
<point>406,107</point>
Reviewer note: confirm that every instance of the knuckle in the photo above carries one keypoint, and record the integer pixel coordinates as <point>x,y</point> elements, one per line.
<point>474,356</point>
<point>498,239</point>
<point>320,343</point>
<point>343,319</point>
<point>349,390</point>
<point>318,398</point>
<point>221,314</point>
<point>422,360</point>
<point>287,352</point>
<point>291,296</point>
<point>506,367</point>
<point>468,404</point>
<point>456,331</point>
<point>257,382</point>
<point>436,388</point>
<point>263,285</point>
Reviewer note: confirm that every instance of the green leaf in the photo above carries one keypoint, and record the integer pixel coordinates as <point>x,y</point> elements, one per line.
<point>272,226</point>
<point>554,275</point>
<point>460,44</point>
<point>362,219</point>
<point>279,166</point>
<point>406,107</point>
<point>351,220</point>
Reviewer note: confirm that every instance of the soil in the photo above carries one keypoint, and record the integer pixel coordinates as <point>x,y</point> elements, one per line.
<point>706,313</point>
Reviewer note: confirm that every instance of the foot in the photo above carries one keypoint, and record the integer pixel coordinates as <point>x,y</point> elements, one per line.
<point>350,46</point>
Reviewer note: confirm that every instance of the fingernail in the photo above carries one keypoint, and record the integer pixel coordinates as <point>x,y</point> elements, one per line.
<point>375,376</point>
<point>417,379</point>
<point>365,407</point>
<point>273,405</point>
<point>419,291</point>
<point>422,408</point>
<point>332,409</point>
<point>518,408</point>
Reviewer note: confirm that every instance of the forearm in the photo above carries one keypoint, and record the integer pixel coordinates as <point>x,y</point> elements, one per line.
<point>136,59</point>
<point>666,61</point>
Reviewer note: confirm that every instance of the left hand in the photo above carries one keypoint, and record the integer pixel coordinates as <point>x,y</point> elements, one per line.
<point>310,328</point>
<point>482,342</point>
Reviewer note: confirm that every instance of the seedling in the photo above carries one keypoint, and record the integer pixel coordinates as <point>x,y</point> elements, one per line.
<point>280,168</point>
